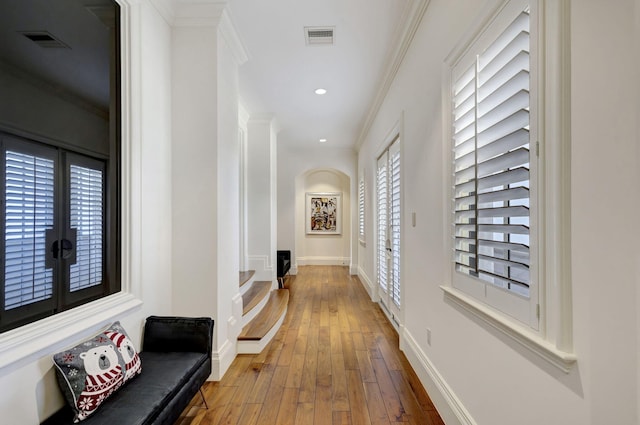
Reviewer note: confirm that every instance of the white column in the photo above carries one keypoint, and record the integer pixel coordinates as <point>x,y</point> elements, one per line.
<point>262,197</point>
<point>205,170</point>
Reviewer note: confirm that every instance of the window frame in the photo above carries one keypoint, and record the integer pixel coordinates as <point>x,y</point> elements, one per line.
<point>104,156</point>
<point>521,308</point>
<point>552,339</point>
<point>29,342</point>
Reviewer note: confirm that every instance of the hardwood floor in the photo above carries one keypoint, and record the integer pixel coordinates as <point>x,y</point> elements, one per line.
<point>334,361</point>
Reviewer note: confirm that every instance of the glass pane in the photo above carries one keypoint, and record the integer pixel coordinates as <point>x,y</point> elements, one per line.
<point>87,217</point>
<point>29,205</point>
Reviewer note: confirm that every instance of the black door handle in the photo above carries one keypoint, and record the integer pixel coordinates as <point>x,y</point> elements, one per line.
<point>60,248</point>
<point>66,247</point>
<point>54,249</point>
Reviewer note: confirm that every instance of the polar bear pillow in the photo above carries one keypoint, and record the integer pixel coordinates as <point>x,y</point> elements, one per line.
<point>92,370</point>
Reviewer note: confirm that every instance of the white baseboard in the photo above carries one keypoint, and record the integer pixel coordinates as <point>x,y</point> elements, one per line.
<point>446,402</point>
<point>221,360</point>
<point>322,261</point>
<point>366,282</point>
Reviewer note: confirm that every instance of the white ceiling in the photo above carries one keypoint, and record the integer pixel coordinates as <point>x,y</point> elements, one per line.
<point>279,78</point>
<point>282,71</point>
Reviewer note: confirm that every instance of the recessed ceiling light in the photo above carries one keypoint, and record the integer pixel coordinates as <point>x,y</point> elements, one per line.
<point>320,91</point>
<point>323,140</point>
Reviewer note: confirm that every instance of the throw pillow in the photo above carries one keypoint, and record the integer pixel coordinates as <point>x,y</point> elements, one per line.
<point>94,369</point>
<point>118,335</point>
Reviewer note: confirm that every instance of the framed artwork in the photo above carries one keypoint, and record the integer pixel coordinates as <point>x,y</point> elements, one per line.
<point>323,213</point>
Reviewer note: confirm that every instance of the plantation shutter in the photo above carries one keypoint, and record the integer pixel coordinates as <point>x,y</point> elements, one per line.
<point>491,162</point>
<point>87,218</point>
<point>29,212</point>
<point>361,209</point>
<point>394,154</point>
<point>382,184</point>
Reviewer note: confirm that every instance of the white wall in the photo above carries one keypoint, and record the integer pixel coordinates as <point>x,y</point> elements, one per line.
<point>195,160</point>
<point>30,392</point>
<point>637,137</point>
<point>484,377</point>
<point>293,165</point>
<point>604,165</point>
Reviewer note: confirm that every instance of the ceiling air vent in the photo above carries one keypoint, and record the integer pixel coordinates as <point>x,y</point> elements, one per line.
<point>44,39</point>
<point>318,35</point>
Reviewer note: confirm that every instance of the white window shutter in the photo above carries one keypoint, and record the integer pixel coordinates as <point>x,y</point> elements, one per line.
<point>361,193</point>
<point>382,186</point>
<point>29,209</point>
<point>491,162</point>
<point>394,152</point>
<point>87,218</point>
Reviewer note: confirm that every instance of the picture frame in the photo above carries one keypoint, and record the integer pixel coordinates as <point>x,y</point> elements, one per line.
<point>323,213</point>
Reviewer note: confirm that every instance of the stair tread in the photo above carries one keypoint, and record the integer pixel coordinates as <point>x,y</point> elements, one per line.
<point>267,318</point>
<point>246,276</point>
<point>258,291</point>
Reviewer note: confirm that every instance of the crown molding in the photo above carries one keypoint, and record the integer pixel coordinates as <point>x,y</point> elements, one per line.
<point>406,31</point>
<point>190,13</point>
<point>232,37</point>
<point>204,13</point>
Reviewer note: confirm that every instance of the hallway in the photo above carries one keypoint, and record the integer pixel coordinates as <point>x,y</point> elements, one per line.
<point>334,361</point>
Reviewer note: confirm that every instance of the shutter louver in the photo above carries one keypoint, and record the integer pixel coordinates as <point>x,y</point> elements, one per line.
<point>395,223</point>
<point>382,223</point>
<point>361,209</point>
<point>491,162</point>
<point>86,216</point>
<point>29,209</point>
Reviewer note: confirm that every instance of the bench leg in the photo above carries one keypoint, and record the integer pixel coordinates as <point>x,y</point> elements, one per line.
<point>204,400</point>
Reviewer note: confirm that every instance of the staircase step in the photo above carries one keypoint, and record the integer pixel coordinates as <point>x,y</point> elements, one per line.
<point>246,276</point>
<point>271,314</point>
<point>258,291</point>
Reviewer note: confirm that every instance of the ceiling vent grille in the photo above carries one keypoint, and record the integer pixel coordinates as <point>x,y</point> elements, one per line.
<point>319,35</point>
<point>45,39</point>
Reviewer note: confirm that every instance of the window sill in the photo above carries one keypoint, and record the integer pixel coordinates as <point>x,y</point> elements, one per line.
<point>32,341</point>
<point>558,358</point>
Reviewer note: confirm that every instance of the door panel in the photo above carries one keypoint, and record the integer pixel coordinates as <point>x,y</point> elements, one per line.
<point>389,228</point>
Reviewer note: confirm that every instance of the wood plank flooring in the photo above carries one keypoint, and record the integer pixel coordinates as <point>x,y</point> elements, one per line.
<point>334,361</point>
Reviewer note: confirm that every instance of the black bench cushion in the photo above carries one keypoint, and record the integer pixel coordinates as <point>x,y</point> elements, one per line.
<point>145,399</point>
<point>178,334</point>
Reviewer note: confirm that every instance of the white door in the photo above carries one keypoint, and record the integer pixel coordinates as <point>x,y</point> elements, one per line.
<point>388,240</point>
